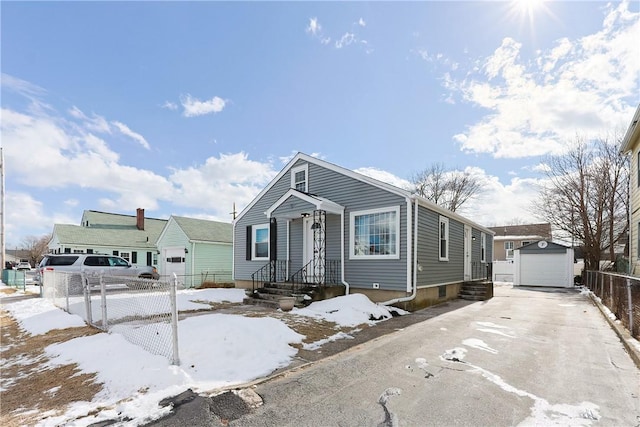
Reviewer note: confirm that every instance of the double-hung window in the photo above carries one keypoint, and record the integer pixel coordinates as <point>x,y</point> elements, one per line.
<point>508,249</point>
<point>483,247</point>
<point>443,250</point>
<point>260,242</point>
<point>299,178</point>
<point>375,234</point>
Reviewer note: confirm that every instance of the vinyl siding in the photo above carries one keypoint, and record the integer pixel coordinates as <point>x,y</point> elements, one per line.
<point>354,195</point>
<point>212,262</point>
<point>435,271</point>
<point>173,236</point>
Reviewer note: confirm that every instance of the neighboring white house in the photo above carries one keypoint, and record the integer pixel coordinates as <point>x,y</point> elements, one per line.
<point>631,145</point>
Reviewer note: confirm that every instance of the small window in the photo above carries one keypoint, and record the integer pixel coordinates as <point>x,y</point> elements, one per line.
<point>125,255</point>
<point>508,248</point>
<point>89,251</point>
<point>154,257</point>
<point>524,243</point>
<point>299,178</point>
<point>260,242</point>
<point>67,250</point>
<point>442,292</point>
<point>115,253</point>
<point>375,234</point>
<point>483,247</point>
<point>444,239</point>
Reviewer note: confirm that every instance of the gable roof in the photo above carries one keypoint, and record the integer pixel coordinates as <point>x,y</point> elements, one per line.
<point>69,234</point>
<point>363,178</point>
<point>99,219</point>
<point>540,231</point>
<point>632,136</point>
<point>202,230</point>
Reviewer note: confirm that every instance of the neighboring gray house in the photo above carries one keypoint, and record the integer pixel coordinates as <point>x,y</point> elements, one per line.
<point>196,250</point>
<point>132,237</point>
<point>325,224</point>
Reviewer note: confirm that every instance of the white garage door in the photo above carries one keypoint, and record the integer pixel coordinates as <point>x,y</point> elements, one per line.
<point>544,270</point>
<point>173,262</point>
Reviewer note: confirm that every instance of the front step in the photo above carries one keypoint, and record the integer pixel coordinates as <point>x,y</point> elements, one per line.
<point>270,294</point>
<point>476,291</point>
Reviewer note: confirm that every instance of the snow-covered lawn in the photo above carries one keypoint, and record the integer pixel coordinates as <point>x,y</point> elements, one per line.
<point>216,350</point>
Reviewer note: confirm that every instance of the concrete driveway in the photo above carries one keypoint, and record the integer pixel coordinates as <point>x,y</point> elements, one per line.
<point>526,357</point>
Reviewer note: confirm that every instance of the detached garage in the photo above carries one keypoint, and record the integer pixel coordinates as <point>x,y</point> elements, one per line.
<point>544,264</point>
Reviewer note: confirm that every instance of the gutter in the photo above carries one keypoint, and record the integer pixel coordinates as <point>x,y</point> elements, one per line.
<point>344,282</point>
<point>412,255</point>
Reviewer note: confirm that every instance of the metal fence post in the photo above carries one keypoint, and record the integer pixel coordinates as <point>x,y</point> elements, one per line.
<point>87,298</point>
<point>630,306</point>
<point>611,290</point>
<point>103,302</point>
<point>66,291</point>
<point>175,358</point>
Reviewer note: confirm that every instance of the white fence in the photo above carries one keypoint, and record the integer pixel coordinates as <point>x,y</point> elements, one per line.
<point>144,311</point>
<point>503,271</point>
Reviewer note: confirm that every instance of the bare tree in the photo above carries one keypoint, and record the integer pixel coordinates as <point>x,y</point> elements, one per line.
<point>585,196</point>
<point>447,188</point>
<point>36,247</point>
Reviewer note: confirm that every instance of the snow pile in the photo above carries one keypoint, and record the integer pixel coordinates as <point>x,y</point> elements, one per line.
<point>348,310</point>
<point>216,350</point>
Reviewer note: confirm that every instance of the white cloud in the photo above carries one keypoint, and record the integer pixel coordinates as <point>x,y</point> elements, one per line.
<point>314,26</point>
<point>220,182</point>
<point>124,129</point>
<point>384,176</point>
<point>170,105</point>
<point>537,106</point>
<point>95,123</point>
<point>194,107</point>
<point>345,40</point>
<point>362,23</point>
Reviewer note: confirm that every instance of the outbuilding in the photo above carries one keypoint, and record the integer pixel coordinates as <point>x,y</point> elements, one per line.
<point>544,263</point>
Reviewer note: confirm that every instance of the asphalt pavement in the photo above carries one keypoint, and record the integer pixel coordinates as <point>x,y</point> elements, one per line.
<point>526,357</point>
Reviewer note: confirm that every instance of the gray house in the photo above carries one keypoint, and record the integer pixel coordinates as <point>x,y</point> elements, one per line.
<point>318,223</point>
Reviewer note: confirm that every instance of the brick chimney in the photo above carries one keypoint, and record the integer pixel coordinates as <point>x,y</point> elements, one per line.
<point>140,219</point>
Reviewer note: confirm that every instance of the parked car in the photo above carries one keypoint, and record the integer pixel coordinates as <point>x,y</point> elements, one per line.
<point>23,265</point>
<point>93,263</point>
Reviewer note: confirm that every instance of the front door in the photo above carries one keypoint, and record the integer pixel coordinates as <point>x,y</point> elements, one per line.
<point>467,252</point>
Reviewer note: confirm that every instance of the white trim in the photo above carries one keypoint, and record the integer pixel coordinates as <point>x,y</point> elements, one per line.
<point>320,203</point>
<point>254,228</point>
<point>439,284</point>
<point>352,215</point>
<point>297,169</point>
<point>443,220</point>
<point>362,178</point>
<point>483,247</point>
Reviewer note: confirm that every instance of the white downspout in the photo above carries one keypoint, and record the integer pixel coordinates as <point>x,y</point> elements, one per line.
<point>344,282</point>
<point>288,238</point>
<point>412,256</point>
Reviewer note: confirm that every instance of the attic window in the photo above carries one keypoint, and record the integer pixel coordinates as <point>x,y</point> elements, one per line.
<point>299,178</point>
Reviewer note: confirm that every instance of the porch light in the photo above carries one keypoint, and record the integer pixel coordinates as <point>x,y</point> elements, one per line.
<point>316,225</point>
<point>304,215</point>
<point>186,251</point>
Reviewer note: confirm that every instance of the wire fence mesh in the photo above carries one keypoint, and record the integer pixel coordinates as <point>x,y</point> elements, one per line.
<point>620,294</point>
<point>144,311</point>
<point>203,279</point>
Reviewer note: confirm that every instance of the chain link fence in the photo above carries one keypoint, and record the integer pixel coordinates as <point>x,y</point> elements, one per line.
<point>144,311</point>
<point>620,294</point>
<point>204,279</point>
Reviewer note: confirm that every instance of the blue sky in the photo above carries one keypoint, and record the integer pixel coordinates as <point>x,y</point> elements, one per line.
<point>188,107</point>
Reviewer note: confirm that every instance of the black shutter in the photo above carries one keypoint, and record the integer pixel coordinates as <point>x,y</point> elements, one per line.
<point>249,236</point>
<point>134,257</point>
<point>273,240</point>
<point>149,262</point>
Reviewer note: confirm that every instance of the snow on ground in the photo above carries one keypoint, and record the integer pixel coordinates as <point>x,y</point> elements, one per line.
<point>216,350</point>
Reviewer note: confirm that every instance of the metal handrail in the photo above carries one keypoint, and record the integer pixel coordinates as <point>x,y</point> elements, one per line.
<point>273,271</point>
